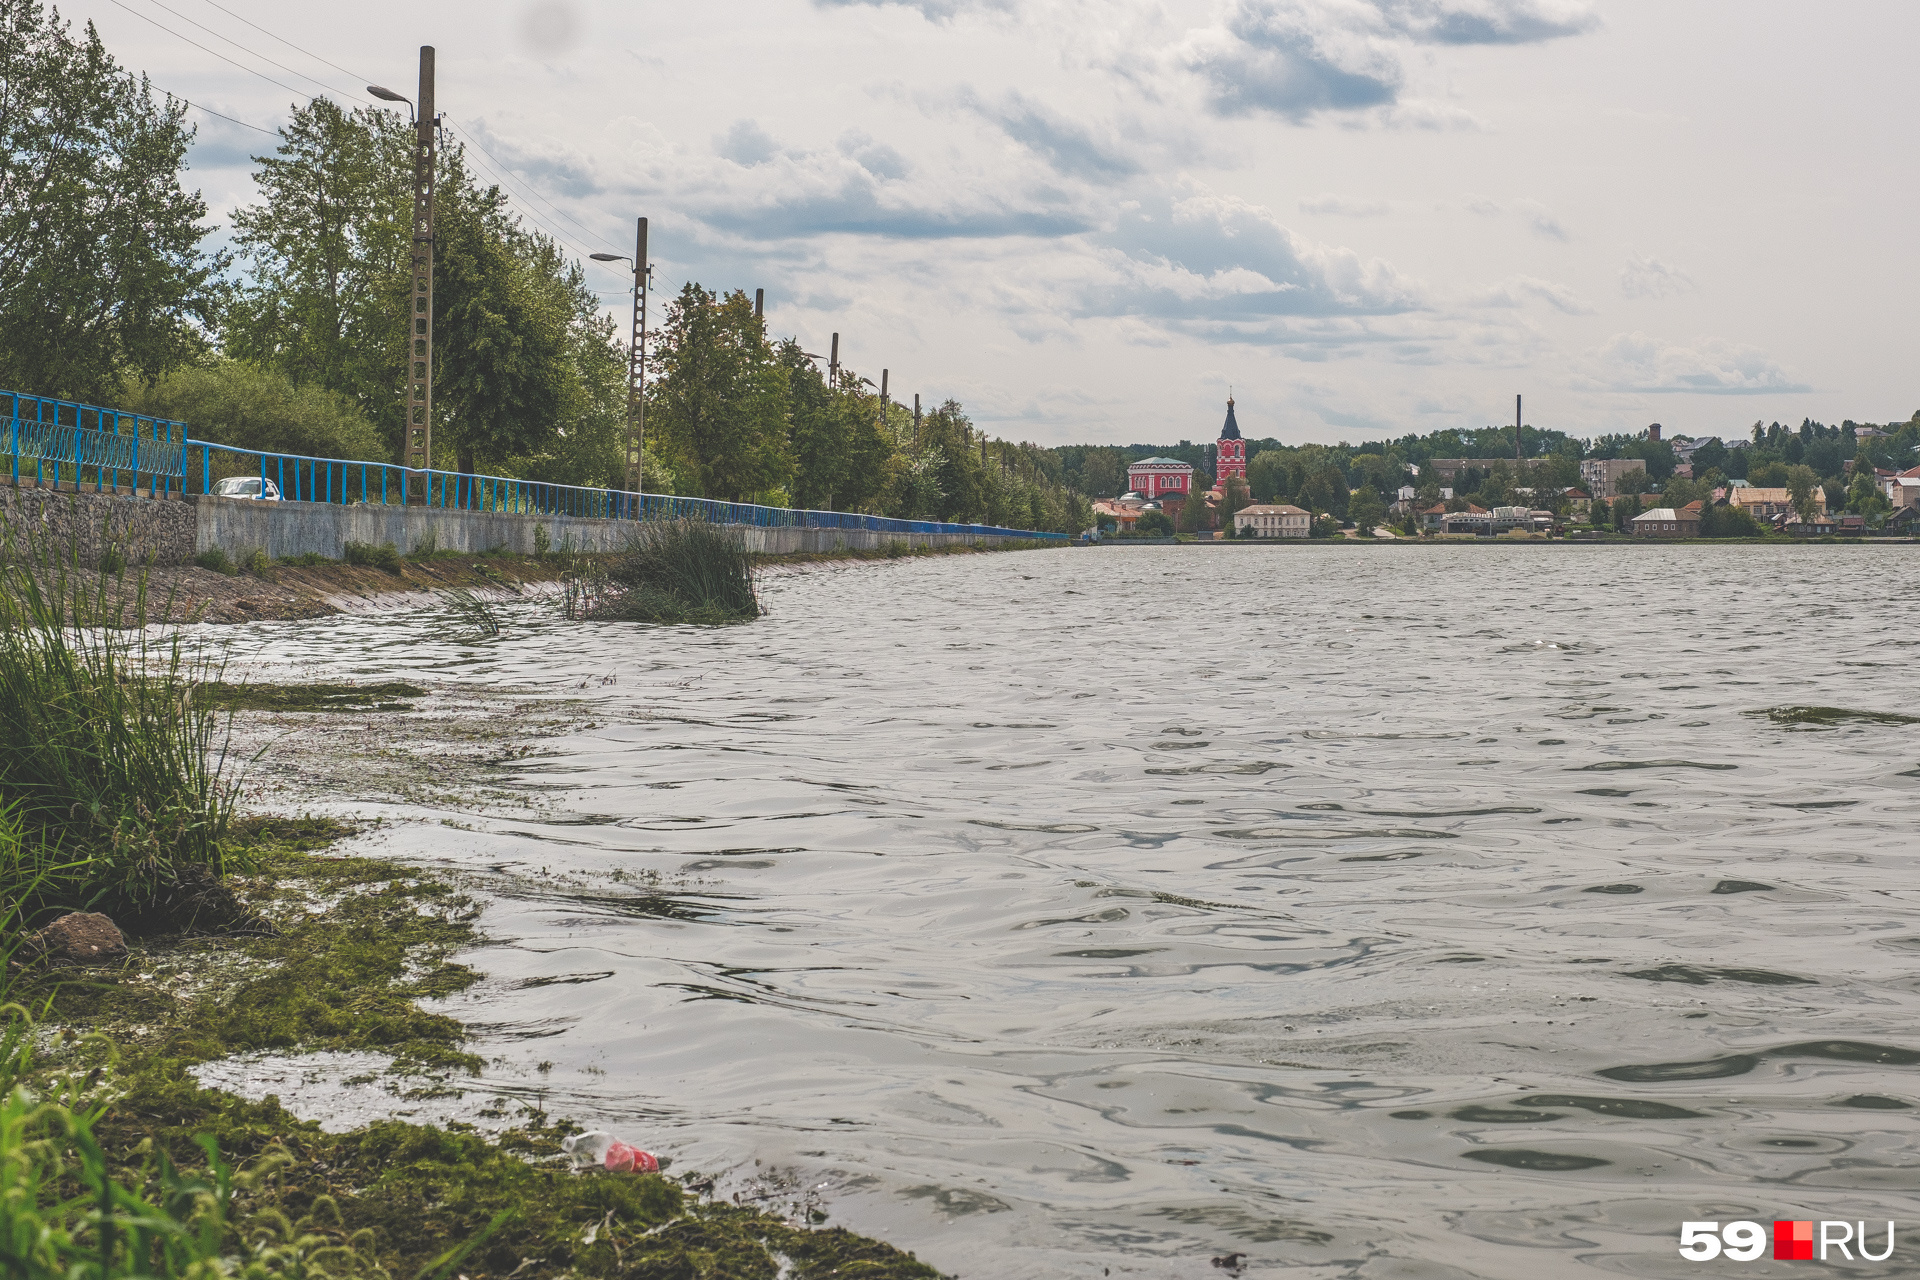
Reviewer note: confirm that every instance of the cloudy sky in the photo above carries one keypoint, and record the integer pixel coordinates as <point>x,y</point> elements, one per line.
<point>1087,221</point>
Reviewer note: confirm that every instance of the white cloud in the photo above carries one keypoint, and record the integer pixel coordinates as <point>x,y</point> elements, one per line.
<point>1520,290</point>
<point>1710,366</point>
<point>1299,58</point>
<point>1540,219</point>
<point>1345,206</point>
<point>1652,278</point>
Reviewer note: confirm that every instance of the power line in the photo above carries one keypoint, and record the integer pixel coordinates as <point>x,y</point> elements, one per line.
<point>556,208</point>
<point>271,133</point>
<point>196,44</point>
<point>290,44</point>
<point>253,52</point>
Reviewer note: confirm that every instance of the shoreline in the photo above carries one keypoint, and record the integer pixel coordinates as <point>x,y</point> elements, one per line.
<point>348,948</point>
<point>283,592</point>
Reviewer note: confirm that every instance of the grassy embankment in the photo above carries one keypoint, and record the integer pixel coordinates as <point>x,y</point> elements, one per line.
<point>246,937</point>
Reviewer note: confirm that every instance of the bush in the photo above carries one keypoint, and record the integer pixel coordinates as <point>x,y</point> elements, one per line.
<point>542,542</point>
<point>113,560</point>
<point>1153,524</point>
<point>257,562</point>
<point>680,571</point>
<point>427,548</point>
<point>385,556</point>
<point>216,560</point>
<point>233,402</point>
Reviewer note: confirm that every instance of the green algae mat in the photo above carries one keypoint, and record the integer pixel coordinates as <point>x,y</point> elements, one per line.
<point>357,944</point>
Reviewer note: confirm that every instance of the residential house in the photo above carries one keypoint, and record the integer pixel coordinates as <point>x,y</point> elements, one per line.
<point>1665,522</point>
<point>1450,468</point>
<point>1602,476</point>
<point>1765,504</point>
<point>1272,520</point>
<point>1901,487</point>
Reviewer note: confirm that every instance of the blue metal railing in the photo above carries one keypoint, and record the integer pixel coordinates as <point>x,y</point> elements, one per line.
<point>306,479</point>
<point>55,437</point>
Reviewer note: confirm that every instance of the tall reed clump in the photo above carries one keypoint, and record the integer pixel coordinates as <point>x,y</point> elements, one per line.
<point>688,571</point>
<point>110,776</point>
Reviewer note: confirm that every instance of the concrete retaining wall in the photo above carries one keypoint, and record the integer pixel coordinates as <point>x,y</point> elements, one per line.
<point>237,525</point>
<point>174,530</point>
<point>34,521</point>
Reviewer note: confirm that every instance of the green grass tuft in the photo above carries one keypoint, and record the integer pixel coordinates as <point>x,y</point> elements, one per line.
<point>385,556</point>
<point>111,771</point>
<point>674,571</point>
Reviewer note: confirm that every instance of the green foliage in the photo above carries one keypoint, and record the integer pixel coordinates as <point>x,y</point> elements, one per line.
<point>1367,512</point>
<point>1726,521</point>
<point>385,556</point>
<point>257,562</point>
<point>113,560</point>
<point>1153,524</point>
<point>251,407</point>
<point>216,559</point>
<point>527,376</point>
<point>101,271</point>
<point>1801,482</point>
<point>110,772</point>
<point>721,398</point>
<point>678,571</point>
<point>542,542</point>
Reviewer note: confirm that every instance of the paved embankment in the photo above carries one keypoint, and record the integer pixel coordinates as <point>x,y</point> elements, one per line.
<point>172,530</point>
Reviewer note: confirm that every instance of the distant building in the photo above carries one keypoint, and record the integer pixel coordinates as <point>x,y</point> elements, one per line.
<point>1765,504</point>
<point>1230,451</point>
<point>1901,487</point>
<point>1281,520</point>
<point>1602,476</point>
<point>1665,522</point>
<point>1154,478</point>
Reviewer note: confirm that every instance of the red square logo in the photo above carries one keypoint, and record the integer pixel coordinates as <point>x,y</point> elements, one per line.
<point>1793,1241</point>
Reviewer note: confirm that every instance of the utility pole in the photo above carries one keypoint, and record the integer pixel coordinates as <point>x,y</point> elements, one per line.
<point>916,417</point>
<point>637,363</point>
<point>417,446</point>
<point>759,303</point>
<point>883,397</point>
<point>1516,436</point>
<point>833,363</point>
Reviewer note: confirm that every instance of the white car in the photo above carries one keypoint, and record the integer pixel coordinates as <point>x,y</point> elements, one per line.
<point>246,487</point>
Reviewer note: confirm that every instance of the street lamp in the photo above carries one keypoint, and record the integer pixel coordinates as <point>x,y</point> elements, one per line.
<point>385,94</point>
<point>636,353</point>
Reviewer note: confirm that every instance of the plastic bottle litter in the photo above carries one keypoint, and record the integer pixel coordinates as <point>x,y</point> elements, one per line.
<point>608,1152</point>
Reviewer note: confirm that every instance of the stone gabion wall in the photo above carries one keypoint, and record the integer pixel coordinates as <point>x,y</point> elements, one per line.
<point>35,522</point>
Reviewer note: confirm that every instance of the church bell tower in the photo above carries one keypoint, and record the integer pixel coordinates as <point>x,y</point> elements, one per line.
<point>1230,454</point>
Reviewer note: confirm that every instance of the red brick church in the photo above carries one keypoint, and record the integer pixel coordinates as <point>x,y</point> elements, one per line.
<point>1230,454</point>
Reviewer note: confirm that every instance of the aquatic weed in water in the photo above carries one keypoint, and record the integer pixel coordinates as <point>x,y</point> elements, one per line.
<point>674,571</point>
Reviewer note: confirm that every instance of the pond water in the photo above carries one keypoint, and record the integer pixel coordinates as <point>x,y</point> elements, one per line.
<point>1372,912</point>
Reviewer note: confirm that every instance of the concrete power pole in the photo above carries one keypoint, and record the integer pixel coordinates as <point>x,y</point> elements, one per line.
<point>833,362</point>
<point>637,363</point>
<point>417,444</point>
<point>1516,436</point>
<point>759,303</point>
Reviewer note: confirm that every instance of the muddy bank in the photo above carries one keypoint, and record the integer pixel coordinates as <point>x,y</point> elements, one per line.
<point>191,593</point>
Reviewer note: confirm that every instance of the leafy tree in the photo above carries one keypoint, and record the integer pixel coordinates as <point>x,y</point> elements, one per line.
<point>1801,482</point>
<point>948,433</point>
<point>1768,475</point>
<point>1865,498</point>
<point>721,396</point>
<point>323,248</point>
<point>1625,508</point>
<point>1325,491</point>
<point>1234,495</point>
<point>101,271</point>
<point>1367,512</point>
<point>818,438</point>
<point>1193,511</point>
<point>1269,475</point>
<point>1104,474</point>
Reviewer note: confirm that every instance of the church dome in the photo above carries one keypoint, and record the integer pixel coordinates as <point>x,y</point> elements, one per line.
<point>1231,431</point>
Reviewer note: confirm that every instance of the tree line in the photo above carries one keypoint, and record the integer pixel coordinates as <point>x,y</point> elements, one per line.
<point>1359,482</point>
<point>295,338</point>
